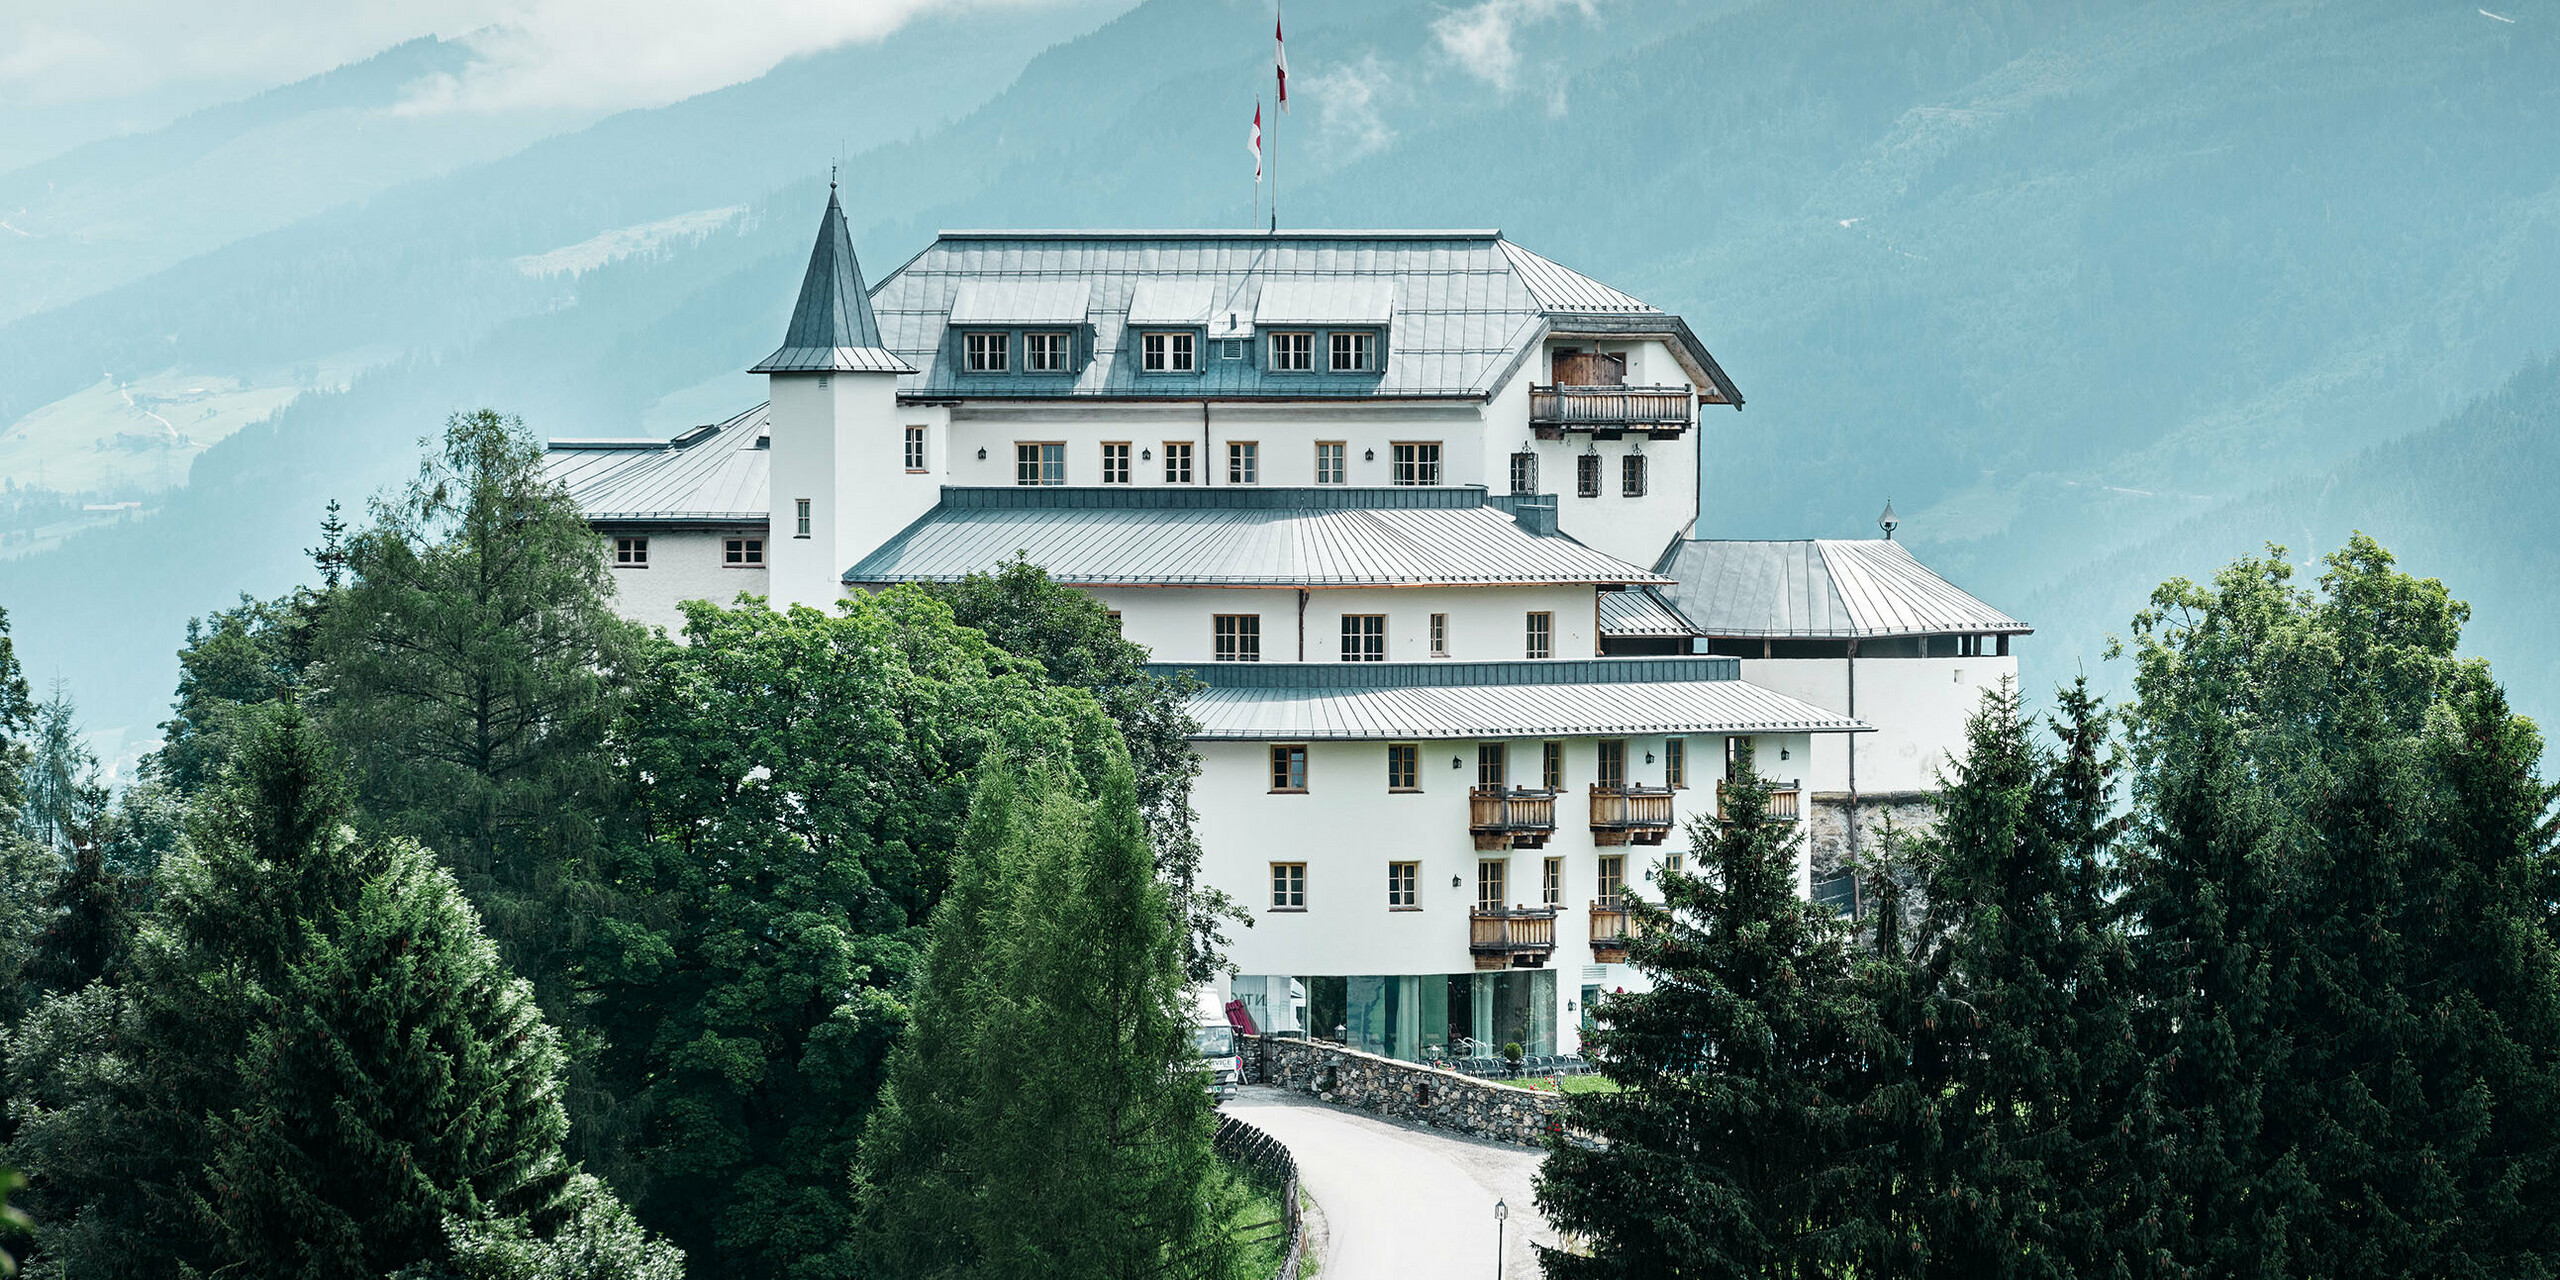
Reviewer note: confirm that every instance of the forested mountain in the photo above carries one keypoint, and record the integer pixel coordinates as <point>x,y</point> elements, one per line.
<point>2054,277</point>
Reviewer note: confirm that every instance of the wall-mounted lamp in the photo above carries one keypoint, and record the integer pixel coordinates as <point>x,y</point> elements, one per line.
<point>1368,455</point>
<point>1454,882</point>
<point>1146,455</point>
<point>1453,763</point>
<point>982,455</point>
<point>1637,446</point>
<point>1782,753</point>
<point>1648,757</point>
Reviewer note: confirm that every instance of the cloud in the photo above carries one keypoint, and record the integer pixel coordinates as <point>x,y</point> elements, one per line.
<point>1351,121</point>
<point>1480,37</point>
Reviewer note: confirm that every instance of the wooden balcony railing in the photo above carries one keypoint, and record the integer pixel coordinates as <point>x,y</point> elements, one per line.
<point>1511,817</point>
<point>1511,937</point>
<point>1654,410</point>
<point>1786,803</point>
<point>1611,926</point>
<point>1627,814</point>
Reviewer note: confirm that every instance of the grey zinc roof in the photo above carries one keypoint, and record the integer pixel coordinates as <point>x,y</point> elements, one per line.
<point>1602,697</point>
<point>1020,302</point>
<point>1186,536</point>
<point>832,327</point>
<point>1820,588</point>
<point>706,475</point>
<point>1462,309</point>
<point>1640,612</point>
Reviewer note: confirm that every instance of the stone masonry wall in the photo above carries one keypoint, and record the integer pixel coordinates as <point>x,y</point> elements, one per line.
<point>1403,1090</point>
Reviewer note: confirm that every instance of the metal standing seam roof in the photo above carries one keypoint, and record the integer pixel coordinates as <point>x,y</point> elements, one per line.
<point>706,475</point>
<point>1820,588</point>
<point>1592,699</point>
<point>1461,310</point>
<point>1236,537</point>
<point>1640,612</point>
<point>832,328</point>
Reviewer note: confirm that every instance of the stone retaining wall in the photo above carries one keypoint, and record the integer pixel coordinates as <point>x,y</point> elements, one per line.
<point>1403,1090</point>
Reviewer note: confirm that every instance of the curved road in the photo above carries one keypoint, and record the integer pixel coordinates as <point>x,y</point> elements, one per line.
<point>1401,1201</point>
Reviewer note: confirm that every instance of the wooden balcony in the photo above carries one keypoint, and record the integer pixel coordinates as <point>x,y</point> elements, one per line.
<point>1511,817</point>
<point>1611,411</point>
<point>1626,814</point>
<point>1511,937</point>
<point>1611,926</point>
<point>1786,803</point>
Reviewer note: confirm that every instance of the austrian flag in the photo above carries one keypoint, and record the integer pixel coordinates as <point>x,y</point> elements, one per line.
<point>1280,55</point>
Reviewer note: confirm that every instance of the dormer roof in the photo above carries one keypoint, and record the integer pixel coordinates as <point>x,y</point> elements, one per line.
<point>832,328</point>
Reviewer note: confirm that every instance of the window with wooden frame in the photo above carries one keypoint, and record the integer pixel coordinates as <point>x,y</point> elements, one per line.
<point>1586,475</point>
<point>1289,767</point>
<point>1038,463</point>
<point>1551,883</point>
<point>1541,635</point>
<point>1404,886</point>
<point>799,517</point>
<point>1491,891</point>
<point>631,553</point>
<point>1364,637</point>
<point>1244,462</point>
<point>1439,635</point>
<point>1613,878</point>
<point>1675,762</point>
<point>1404,766</point>
<point>915,449</point>
<point>1292,352</point>
<point>1115,463</point>
<point>985,352</point>
<point>1353,352</point>
<point>1417,463</point>
<point>1044,352</point>
<point>1177,462</point>
<point>1493,764</point>
<point>1329,468</point>
<point>742,553</point>
<point>1613,762</point>
<point>1673,862</point>
<point>1288,886</point>
<point>1236,637</point>
<point>1551,768</point>
<point>1166,352</point>
<point>1524,473</point>
<point>1631,476</point>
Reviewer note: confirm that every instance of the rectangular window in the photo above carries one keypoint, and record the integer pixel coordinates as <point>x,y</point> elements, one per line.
<point>1040,464</point>
<point>1044,352</point>
<point>1439,635</point>
<point>1404,766</point>
<point>986,352</point>
<point>800,517</point>
<point>1238,637</point>
<point>1542,635</point>
<point>1613,878</point>
<point>742,553</point>
<point>1165,353</point>
<point>915,448</point>
<point>1328,462</point>
<point>1675,762</point>
<point>1586,475</point>
<point>1551,885</point>
<point>1418,463</point>
<point>1114,615</point>
<point>1671,862</point>
<point>1493,764</point>
<point>1491,893</point>
<point>1524,473</point>
<point>1404,886</point>
<point>1551,770</point>
<point>1354,352</point>
<point>1177,462</point>
<point>1289,768</point>
<point>1613,762</point>
<point>1231,348</point>
<point>1288,886</point>
<point>1115,464</point>
<point>1364,637</point>
<point>1292,352</point>
<point>1631,476</point>
<point>631,553</point>
<point>1244,462</point>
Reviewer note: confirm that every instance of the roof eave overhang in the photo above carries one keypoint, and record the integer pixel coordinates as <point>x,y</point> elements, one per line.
<point>689,520</point>
<point>1692,354</point>
<point>1966,629</point>
<point>853,578</point>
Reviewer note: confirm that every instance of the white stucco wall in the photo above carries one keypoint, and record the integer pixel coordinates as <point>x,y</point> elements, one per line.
<point>685,565</point>
<point>1632,529</point>
<point>1486,624</point>
<point>1285,436</point>
<point>1918,705</point>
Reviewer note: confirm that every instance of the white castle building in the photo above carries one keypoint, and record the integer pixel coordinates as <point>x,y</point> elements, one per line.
<point>1414,507</point>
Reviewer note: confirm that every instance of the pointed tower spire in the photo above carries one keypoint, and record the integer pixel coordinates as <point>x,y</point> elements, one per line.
<point>832,328</point>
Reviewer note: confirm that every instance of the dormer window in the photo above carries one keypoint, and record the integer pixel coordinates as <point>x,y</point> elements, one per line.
<point>1163,352</point>
<point>1293,352</point>
<point>985,351</point>
<point>1044,352</point>
<point>1354,352</point>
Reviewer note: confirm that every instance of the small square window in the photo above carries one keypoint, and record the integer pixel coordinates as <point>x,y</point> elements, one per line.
<point>1524,473</point>
<point>1631,476</point>
<point>1354,352</point>
<point>1586,475</point>
<point>1439,635</point>
<point>985,351</point>
<point>1542,635</point>
<point>1177,462</point>
<point>1404,886</point>
<point>1244,462</point>
<point>915,448</point>
<point>1293,352</point>
<point>1044,352</point>
<point>1115,464</point>
<point>1289,768</point>
<point>1231,348</point>
<point>1329,462</point>
<point>1036,464</point>
<point>1166,352</point>
<point>631,553</point>
<point>1288,886</point>
<point>1418,463</point>
<point>1237,637</point>
<point>742,553</point>
<point>1364,637</point>
<point>1404,766</point>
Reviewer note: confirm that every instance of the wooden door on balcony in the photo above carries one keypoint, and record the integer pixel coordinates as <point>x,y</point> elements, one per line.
<point>1589,369</point>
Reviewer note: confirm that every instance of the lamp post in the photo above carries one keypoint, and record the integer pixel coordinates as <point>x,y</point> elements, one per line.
<point>1500,1212</point>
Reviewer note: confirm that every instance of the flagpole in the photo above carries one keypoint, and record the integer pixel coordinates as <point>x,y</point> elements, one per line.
<point>1280,77</point>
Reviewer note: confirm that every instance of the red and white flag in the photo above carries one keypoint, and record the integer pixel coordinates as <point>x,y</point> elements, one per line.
<point>1256,143</point>
<point>1280,55</point>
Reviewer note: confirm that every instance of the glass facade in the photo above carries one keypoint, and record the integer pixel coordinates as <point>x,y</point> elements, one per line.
<point>1411,1016</point>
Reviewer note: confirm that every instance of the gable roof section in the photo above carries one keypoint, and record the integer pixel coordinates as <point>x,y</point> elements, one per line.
<point>1259,537</point>
<point>832,328</point>
<point>1640,611</point>
<point>704,476</point>
<point>1462,310</point>
<point>1820,588</point>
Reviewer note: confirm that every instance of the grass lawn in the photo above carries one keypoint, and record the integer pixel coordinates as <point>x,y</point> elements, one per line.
<point>1566,1084</point>
<point>1260,1234</point>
